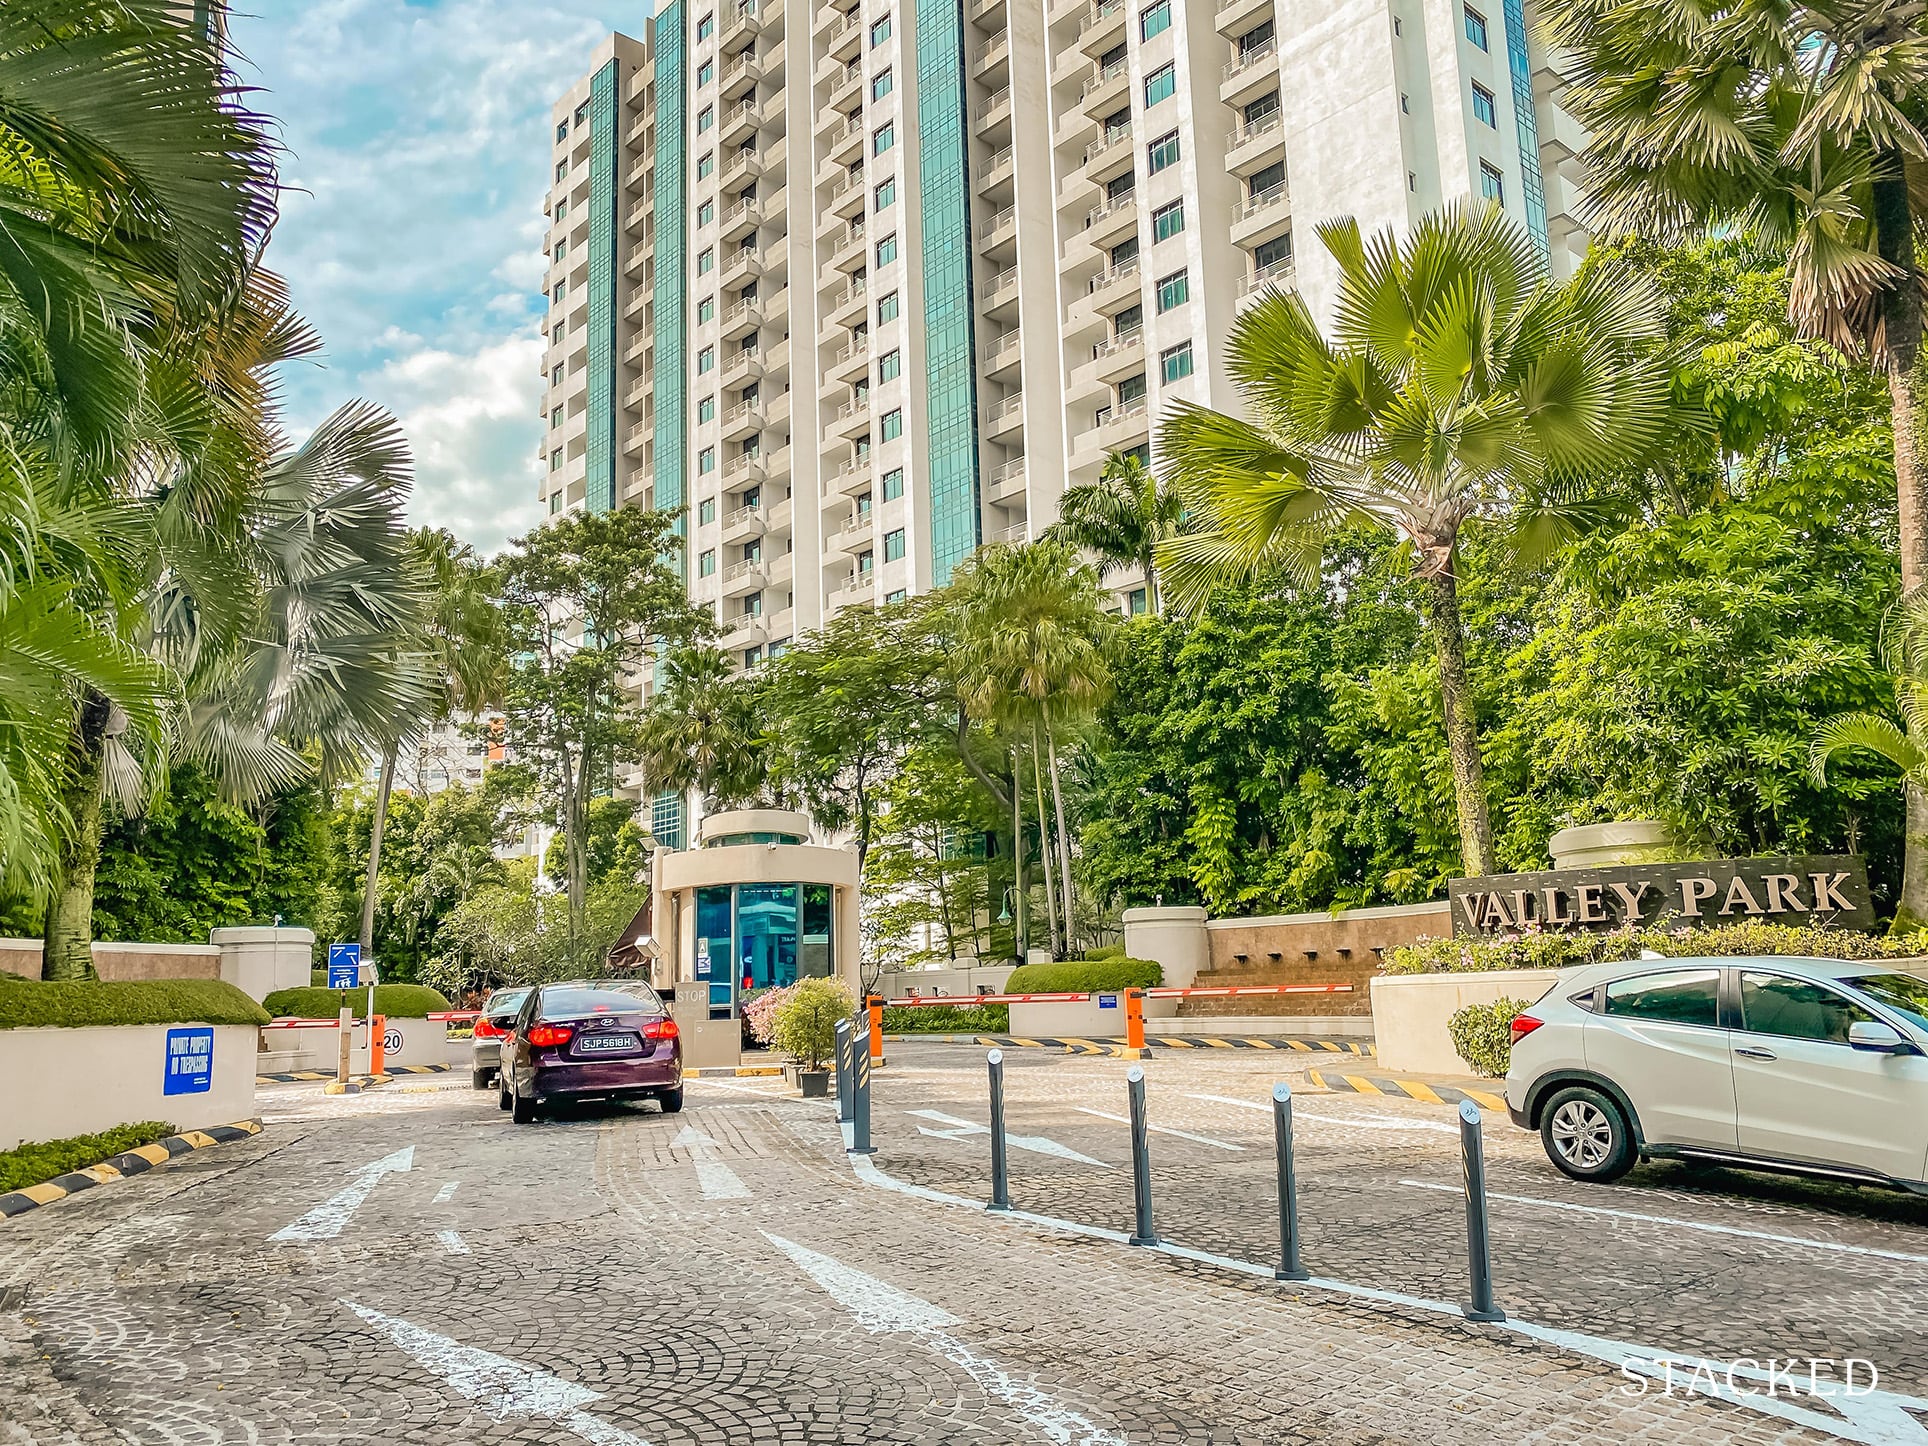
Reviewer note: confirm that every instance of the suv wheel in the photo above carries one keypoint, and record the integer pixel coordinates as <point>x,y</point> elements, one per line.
<point>1587,1135</point>
<point>521,1109</point>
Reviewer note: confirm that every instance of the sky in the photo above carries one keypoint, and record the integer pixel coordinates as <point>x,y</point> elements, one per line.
<point>411,229</point>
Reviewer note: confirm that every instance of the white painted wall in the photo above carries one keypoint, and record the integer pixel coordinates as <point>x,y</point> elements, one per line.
<point>1410,1013</point>
<point>58,1083</point>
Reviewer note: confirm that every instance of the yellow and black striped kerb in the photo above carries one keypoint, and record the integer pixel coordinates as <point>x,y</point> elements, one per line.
<point>119,1167</point>
<point>1361,1047</point>
<point>1406,1089</point>
<point>294,1075</point>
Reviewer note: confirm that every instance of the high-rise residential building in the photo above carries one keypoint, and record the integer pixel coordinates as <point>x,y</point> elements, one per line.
<point>861,286</point>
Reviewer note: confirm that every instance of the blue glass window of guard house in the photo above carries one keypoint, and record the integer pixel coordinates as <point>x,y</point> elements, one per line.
<point>766,918</point>
<point>715,948</point>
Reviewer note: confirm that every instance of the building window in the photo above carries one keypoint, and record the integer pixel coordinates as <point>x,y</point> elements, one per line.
<point>1154,19</point>
<point>886,192</point>
<point>705,163</point>
<point>895,595</point>
<point>706,213</point>
<point>562,290</point>
<point>705,118</point>
<point>555,375</point>
<point>706,308</point>
<point>1162,152</point>
<point>866,564</point>
<point>752,655</point>
<point>753,605</point>
<point>706,410</point>
<point>562,170</point>
<point>706,27</point>
<point>863,506</point>
<point>1135,602</point>
<point>555,503</point>
<point>883,138</point>
<point>706,511</point>
<point>887,308</point>
<point>881,84</point>
<point>555,335</point>
<point>1483,104</point>
<point>562,131</point>
<point>705,259</point>
<point>894,545</point>
<point>893,425</point>
<point>562,210</point>
<point>890,366</point>
<point>706,72</point>
<point>1168,221</point>
<point>555,418</point>
<point>706,460</point>
<point>562,249</point>
<point>1175,363</point>
<point>705,359</point>
<point>706,564</point>
<point>1131,391</point>
<point>893,484</point>
<point>1173,290</point>
<point>880,31</point>
<point>1128,321</point>
<point>582,115</point>
<point>1161,84</point>
<point>1276,252</point>
<point>555,460</point>
<point>1491,184</point>
<point>1476,27</point>
<point>887,250</point>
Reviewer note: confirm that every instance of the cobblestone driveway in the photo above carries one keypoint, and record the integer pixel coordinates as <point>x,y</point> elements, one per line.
<point>723,1275</point>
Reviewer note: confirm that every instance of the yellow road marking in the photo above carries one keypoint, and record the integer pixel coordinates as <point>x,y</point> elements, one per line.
<point>99,1174</point>
<point>1327,1044</point>
<point>1261,1044</point>
<point>1485,1101</point>
<point>1362,1084</point>
<point>1028,1043</point>
<point>43,1194</point>
<point>1420,1091</point>
<point>153,1154</point>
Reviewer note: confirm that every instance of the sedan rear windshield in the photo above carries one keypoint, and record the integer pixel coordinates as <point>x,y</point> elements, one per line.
<point>1907,993</point>
<point>504,1001</point>
<point>577,1003</point>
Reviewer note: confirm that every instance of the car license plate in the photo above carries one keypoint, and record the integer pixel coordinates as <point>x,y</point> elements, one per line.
<point>606,1043</point>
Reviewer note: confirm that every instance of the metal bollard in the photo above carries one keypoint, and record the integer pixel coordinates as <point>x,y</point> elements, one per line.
<point>844,1031</point>
<point>860,1106</point>
<point>1289,1265</point>
<point>1479,1257</point>
<point>1140,1159</point>
<point>1000,1167</point>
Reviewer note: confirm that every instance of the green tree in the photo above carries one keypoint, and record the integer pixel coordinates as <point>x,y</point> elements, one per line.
<point>1123,517</point>
<point>702,730</point>
<point>1461,388</point>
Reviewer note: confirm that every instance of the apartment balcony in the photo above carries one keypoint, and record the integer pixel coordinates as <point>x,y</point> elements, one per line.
<point>744,630</point>
<point>992,53</point>
<point>1003,419</point>
<point>743,578</point>
<point>740,421</point>
<point>998,229</point>
<point>1106,91</point>
<point>740,75</point>
<point>635,439</point>
<point>740,320</point>
<point>1258,281</point>
<point>850,420</point>
<point>997,296</point>
<point>995,111</point>
<point>844,40</point>
<point>846,89</point>
<point>744,525</point>
<point>740,368</point>
<point>742,20</point>
<point>842,147</point>
<point>859,591</point>
<point>745,163</point>
<point>852,477</point>
<point>859,533</point>
<point>848,304</point>
<point>1237,17</point>
<point>637,394</point>
<point>1250,74</point>
<point>745,469</point>
<point>1118,357</point>
<point>1126,425</point>
<point>740,123</point>
<point>1067,62</point>
<point>1002,356</point>
<point>637,259</point>
<point>638,217</point>
<point>1103,27</point>
<point>985,12</point>
<point>1258,217</point>
<point>1115,288</point>
<point>1015,533</point>
<point>1109,156</point>
<point>1255,146</point>
<point>1560,134</point>
<point>851,364</point>
<point>639,344</point>
<point>1005,484</point>
<point>637,303</point>
<point>740,267</point>
<point>998,170</point>
<point>1076,126</point>
<point>741,220</point>
<point>1112,222</point>
<point>850,247</point>
<point>829,18</point>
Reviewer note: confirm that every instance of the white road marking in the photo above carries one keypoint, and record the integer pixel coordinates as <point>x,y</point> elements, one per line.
<point>1708,1226</point>
<point>1228,1100</point>
<point>1036,1144</point>
<point>447,1192</point>
<point>326,1220</point>
<point>716,1180</point>
<point>763,1094</point>
<point>1879,1418</point>
<point>1364,1122</point>
<point>452,1242</point>
<point>881,1308</point>
<point>1166,1130</point>
<point>505,1389</point>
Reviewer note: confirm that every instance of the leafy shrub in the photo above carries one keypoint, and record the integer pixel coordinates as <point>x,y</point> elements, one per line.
<point>950,1019</point>
<point>760,1011</point>
<point>1106,951</point>
<point>804,1024</point>
<point>1086,976</point>
<point>1483,1035</point>
<point>31,1164</point>
<point>1536,949</point>
<point>393,1001</point>
<point>78,1004</point>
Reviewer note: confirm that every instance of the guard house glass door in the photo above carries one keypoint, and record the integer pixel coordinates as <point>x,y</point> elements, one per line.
<point>716,948</point>
<point>766,922</point>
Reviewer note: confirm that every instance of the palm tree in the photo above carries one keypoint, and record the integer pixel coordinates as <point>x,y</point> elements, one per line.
<point>1030,634</point>
<point>1460,387</point>
<point>1122,517</point>
<point>700,730</point>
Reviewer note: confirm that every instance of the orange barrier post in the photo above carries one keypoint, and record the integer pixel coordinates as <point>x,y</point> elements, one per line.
<point>377,1052</point>
<point>1135,1025</point>
<point>875,1004</point>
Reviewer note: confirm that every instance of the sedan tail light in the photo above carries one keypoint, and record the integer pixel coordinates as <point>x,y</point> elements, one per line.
<point>661,1029</point>
<point>484,1029</point>
<point>545,1035</point>
<point>1523,1025</point>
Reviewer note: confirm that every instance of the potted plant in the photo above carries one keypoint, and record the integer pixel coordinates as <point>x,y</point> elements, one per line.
<point>804,1026</point>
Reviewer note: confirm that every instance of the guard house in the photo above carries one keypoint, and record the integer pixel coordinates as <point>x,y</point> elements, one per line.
<point>754,904</point>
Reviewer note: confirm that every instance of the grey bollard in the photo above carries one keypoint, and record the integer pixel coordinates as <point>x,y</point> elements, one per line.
<point>1479,1258</point>
<point>1290,1267</point>
<point>843,1071</point>
<point>1143,1234</point>
<point>860,1104</point>
<point>1000,1167</point>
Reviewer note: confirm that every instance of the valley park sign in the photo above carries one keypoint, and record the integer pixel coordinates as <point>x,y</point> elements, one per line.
<point>1815,890</point>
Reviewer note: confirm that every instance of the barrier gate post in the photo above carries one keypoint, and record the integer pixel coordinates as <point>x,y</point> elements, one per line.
<point>1135,1025</point>
<point>345,1037</point>
<point>1000,1167</point>
<point>845,1029</point>
<point>1479,1257</point>
<point>1289,1265</point>
<point>874,1005</point>
<point>378,1045</point>
<point>860,1107</point>
<point>1143,1234</point>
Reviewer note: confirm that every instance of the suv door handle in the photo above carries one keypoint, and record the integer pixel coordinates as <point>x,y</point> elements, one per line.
<point>1757,1053</point>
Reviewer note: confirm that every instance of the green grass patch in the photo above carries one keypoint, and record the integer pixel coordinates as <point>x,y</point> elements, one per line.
<point>393,1001</point>
<point>948,1019</point>
<point>36,1163</point>
<point>1086,976</point>
<point>82,1004</point>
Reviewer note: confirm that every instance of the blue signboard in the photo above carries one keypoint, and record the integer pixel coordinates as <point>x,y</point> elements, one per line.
<point>344,966</point>
<point>1107,1001</point>
<point>190,1061</point>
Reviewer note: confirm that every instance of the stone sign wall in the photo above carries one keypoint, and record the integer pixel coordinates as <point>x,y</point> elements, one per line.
<point>1819,889</point>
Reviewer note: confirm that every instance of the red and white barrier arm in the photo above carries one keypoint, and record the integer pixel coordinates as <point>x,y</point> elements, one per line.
<point>1223,991</point>
<point>953,1000</point>
<point>307,1023</point>
<point>962,1000</point>
<point>456,1016</point>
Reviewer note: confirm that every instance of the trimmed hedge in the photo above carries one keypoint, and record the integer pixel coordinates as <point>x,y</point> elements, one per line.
<point>1558,951</point>
<point>1483,1035</point>
<point>36,1163</point>
<point>395,1001</point>
<point>1106,951</point>
<point>1086,976</point>
<point>949,1019</point>
<point>82,1004</point>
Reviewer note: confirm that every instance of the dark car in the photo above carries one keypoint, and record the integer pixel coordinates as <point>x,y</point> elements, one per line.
<point>590,1041</point>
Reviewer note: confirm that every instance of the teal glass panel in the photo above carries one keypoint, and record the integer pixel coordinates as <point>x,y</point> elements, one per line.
<point>950,371</point>
<point>766,935</point>
<point>599,436</point>
<point>666,819</point>
<point>1532,184</point>
<point>671,289</point>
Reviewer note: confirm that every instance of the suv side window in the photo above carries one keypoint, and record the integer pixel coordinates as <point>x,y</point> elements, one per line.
<point>1682,996</point>
<point>1797,1008</point>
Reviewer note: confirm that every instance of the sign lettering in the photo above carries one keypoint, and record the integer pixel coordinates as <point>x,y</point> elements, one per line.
<point>189,1057</point>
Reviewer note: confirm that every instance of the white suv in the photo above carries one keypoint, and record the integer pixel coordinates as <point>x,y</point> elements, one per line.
<point>1809,1065</point>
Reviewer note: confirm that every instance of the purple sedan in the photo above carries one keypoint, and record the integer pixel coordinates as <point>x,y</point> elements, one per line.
<point>580,1041</point>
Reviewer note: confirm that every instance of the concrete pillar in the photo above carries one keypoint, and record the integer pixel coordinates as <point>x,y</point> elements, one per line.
<point>1171,937</point>
<point>260,961</point>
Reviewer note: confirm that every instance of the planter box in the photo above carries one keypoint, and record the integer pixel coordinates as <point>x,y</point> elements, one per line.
<point>1410,1013</point>
<point>59,1083</point>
